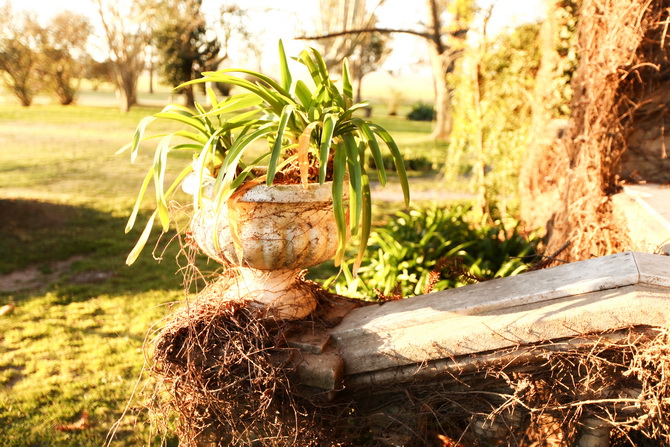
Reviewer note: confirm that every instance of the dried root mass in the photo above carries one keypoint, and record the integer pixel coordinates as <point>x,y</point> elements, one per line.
<point>225,371</point>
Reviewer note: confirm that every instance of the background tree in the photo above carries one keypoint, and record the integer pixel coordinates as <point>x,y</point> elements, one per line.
<point>444,45</point>
<point>344,15</point>
<point>367,58</point>
<point>63,47</point>
<point>19,55</point>
<point>492,114</point>
<point>231,30</point>
<point>127,25</point>
<point>98,72</point>
<point>185,47</point>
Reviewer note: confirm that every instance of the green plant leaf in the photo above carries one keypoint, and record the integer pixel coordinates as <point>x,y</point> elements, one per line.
<point>329,122</point>
<point>235,103</point>
<point>319,100</point>
<point>138,201</point>
<point>186,146</point>
<point>242,176</point>
<point>320,63</point>
<point>339,169</point>
<point>206,156</point>
<point>358,106</point>
<point>141,242</point>
<point>198,138</point>
<point>205,120</point>
<point>260,76</point>
<point>366,219</point>
<point>355,183</point>
<point>346,81</point>
<point>371,141</point>
<point>319,69</point>
<point>212,97</point>
<point>397,158</point>
<point>232,158</point>
<point>303,151</point>
<point>241,119</point>
<point>160,160</point>
<point>177,108</point>
<point>283,64</point>
<point>176,116</point>
<point>303,93</point>
<point>350,278</point>
<point>306,59</point>
<point>124,148</point>
<point>137,137</point>
<point>177,181</point>
<point>274,99</point>
<point>277,148</point>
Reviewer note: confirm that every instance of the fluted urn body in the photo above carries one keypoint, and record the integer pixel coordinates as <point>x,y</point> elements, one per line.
<point>271,233</point>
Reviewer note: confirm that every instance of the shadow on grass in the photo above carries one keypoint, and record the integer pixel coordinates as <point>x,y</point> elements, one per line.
<point>39,234</point>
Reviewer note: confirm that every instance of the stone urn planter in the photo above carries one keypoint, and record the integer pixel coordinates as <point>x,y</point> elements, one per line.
<point>218,356</point>
<point>270,234</point>
<point>304,135</point>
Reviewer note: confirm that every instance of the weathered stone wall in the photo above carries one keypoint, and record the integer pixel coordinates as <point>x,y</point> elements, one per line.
<point>615,129</point>
<point>648,138</point>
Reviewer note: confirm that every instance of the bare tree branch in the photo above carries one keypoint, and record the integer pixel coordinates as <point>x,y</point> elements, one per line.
<point>367,30</point>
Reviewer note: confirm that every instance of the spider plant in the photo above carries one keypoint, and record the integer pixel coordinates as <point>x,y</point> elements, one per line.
<point>312,128</point>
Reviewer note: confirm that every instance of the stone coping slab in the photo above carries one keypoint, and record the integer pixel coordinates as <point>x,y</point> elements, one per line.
<point>645,212</point>
<point>598,295</point>
<point>655,198</point>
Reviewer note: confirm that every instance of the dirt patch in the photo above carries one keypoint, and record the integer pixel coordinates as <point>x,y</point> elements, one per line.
<point>35,277</point>
<point>91,276</point>
<point>40,277</point>
<point>40,241</point>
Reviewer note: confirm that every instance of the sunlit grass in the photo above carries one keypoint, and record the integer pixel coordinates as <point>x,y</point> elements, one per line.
<point>59,360</point>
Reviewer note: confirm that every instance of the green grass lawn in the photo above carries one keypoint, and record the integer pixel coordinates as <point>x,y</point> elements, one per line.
<point>74,341</point>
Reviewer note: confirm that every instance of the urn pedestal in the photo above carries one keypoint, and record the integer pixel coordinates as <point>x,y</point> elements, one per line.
<point>270,234</point>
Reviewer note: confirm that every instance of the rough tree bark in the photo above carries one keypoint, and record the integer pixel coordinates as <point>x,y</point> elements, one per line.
<point>440,57</point>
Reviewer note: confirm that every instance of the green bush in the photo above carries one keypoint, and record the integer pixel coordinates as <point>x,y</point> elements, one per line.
<point>435,248</point>
<point>412,163</point>
<point>421,112</point>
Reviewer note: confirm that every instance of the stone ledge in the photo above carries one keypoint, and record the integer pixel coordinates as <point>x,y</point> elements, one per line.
<point>598,295</point>
<point>645,211</point>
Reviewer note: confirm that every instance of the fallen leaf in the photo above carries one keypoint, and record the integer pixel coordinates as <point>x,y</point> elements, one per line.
<point>82,424</point>
<point>448,442</point>
<point>7,309</point>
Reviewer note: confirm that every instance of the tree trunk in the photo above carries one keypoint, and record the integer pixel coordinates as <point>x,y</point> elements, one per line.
<point>442,128</point>
<point>24,99</point>
<point>151,69</point>
<point>127,87</point>
<point>438,63</point>
<point>190,96</point>
<point>21,89</point>
<point>151,77</point>
<point>359,84</point>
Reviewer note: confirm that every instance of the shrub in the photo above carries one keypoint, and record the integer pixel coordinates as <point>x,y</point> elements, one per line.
<point>422,112</point>
<point>412,163</point>
<point>435,248</point>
